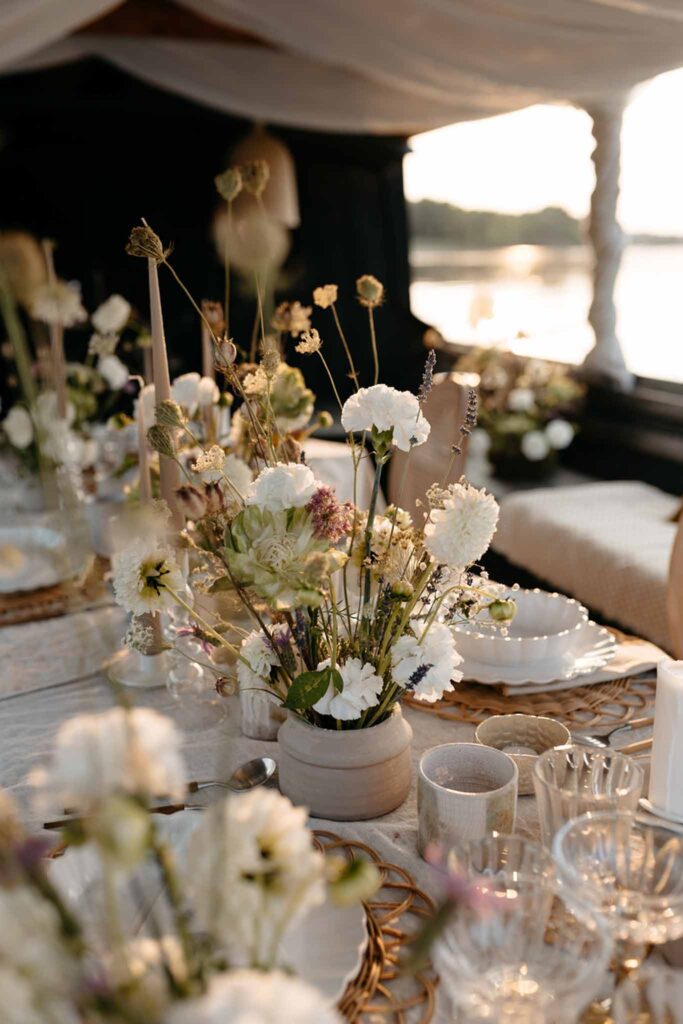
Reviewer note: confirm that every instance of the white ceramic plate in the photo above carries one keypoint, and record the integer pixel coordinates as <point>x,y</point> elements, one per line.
<point>593,648</point>
<point>33,557</point>
<point>325,949</point>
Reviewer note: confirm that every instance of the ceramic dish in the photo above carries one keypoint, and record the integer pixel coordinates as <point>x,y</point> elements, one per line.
<point>523,738</point>
<point>545,626</point>
<point>594,647</point>
<point>32,557</point>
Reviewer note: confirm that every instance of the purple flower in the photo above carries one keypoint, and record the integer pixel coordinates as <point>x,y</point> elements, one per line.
<point>331,520</point>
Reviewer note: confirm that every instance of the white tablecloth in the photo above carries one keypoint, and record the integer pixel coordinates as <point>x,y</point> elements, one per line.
<point>63,648</point>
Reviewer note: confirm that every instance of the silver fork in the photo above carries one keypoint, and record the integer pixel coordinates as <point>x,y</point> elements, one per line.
<point>604,742</point>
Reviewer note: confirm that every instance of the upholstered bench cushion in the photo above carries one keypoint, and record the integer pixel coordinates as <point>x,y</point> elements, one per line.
<point>607,544</point>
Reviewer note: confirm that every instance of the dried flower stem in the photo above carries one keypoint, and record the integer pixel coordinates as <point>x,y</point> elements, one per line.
<point>347,350</point>
<point>228,237</point>
<point>373,339</point>
<point>329,374</point>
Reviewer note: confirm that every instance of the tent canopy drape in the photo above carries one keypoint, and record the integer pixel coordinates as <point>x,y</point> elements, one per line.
<point>389,67</point>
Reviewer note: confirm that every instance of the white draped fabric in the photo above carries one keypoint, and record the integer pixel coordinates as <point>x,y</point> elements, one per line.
<point>392,66</point>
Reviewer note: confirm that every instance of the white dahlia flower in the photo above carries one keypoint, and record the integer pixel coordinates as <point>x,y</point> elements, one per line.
<point>142,577</point>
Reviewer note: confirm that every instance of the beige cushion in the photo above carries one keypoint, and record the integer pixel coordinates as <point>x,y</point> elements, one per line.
<point>607,544</point>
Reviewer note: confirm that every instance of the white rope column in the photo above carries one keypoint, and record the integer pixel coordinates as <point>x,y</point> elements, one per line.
<point>605,361</point>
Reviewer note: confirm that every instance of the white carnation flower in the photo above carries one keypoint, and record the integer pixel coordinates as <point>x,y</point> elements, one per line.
<point>261,657</point>
<point>141,576</point>
<point>120,751</point>
<point>58,302</point>
<point>535,446</point>
<point>185,390</point>
<point>112,316</point>
<point>286,485</point>
<point>46,411</point>
<point>38,974</point>
<point>459,533</point>
<point>252,872</point>
<point>255,997</point>
<point>18,427</point>
<point>560,433</point>
<point>428,666</point>
<point>114,372</point>
<point>362,687</point>
<point>521,400</point>
<point>386,408</point>
<point>208,392</point>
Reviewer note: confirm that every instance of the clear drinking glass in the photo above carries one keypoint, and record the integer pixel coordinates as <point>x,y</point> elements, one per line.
<point>570,781</point>
<point>522,957</point>
<point>501,857</point>
<point>629,873</point>
<point>653,995</point>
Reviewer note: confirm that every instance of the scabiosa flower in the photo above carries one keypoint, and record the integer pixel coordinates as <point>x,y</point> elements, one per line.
<point>325,296</point>
<point>146,244</point>
<point>461,530</point>
<point>255,176</point>
<point>331,520</point>
<point>361,690</point>
<point>385,408</point>
<point>120,751</point>
<point>160,440</point>
<point>229,183</point>
<point>310,342</point>
<point>192,501</point>
<point>58,302</point>
<point>292,318</point>
<point>252,871</point>
<point>169,414</point>
<point>427,666</point>
<point>142,578</point>
<point>369,291</point>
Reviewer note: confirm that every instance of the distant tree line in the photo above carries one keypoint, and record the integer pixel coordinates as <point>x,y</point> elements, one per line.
<point>472,229</point>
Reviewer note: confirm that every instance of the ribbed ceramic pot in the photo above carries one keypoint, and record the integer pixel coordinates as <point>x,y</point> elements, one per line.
<point>350,775</point>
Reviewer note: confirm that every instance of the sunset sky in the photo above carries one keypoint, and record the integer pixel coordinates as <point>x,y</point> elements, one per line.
<point>541,157</point>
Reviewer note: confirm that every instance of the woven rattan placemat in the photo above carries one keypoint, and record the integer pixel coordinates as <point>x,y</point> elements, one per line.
<point>48,602</point>
<point>380,992</point>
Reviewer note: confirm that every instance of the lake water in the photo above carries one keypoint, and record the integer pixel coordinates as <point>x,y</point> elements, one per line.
<point>544,293</point>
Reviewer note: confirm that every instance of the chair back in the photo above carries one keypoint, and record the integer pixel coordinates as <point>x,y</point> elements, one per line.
<point>411,474</point>
<point>674,594</point>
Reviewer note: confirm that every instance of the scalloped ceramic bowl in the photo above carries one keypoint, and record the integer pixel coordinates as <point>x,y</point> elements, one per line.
<point>524,738</point>
<point>546,626</point>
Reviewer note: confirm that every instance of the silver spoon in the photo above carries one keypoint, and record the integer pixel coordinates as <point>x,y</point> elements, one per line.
<point>249,775</point>
<point>604,742</point>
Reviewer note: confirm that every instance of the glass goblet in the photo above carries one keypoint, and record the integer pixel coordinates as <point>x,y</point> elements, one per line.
<point>501,857</point>
<point>653,995</point>
<point>523,956</point>
<point>629,873</point>
<point>570,781</point>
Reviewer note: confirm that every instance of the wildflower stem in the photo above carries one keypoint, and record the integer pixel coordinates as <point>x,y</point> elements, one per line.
<point>373,339</point>
<point>329,374</point>
<point>347,350</point>
<point>228,238</point>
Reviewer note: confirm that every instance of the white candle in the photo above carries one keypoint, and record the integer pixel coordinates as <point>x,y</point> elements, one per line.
<point>145,484</point>
<point>56,341</point>
<point>666,768</point>
<point>169,475</point>
<point>207,353</point>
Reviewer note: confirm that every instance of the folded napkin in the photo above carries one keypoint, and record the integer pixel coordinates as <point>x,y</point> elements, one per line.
<point>632,657</point>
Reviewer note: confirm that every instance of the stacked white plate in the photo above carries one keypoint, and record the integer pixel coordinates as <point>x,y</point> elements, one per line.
<point>551,638</point>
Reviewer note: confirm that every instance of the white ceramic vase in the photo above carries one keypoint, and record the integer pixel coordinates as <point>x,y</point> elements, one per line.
<point>352,774</point>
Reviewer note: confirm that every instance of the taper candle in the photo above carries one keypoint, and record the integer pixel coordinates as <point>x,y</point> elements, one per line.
<point>145,483</point>
<point>169,476</point>
<point>56,340</point>
<point>666,768</point>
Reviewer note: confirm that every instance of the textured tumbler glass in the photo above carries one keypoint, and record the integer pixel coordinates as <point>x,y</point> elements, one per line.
<point>571,781</point>
<point>653,995</point>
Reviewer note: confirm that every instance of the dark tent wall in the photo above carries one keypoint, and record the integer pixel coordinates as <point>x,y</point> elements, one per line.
<point>86,150</point>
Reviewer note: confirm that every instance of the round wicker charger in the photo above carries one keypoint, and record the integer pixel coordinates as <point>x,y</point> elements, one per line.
<point>380,993</point>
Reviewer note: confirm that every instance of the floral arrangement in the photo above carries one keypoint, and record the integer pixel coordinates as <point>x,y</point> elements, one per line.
<point>213,947</point>
<point>60,414</point>
<point>350,606</point>
<point>527,409</point>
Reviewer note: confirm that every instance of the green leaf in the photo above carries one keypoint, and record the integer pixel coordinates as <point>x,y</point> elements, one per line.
<point>307,689</point>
